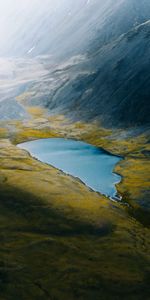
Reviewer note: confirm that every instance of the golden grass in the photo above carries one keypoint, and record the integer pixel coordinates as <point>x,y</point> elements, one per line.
<point>57,234</point>
<point>30,134</point>
<point>3,132</point>
<point>59,240</point>
<point>36,111</point>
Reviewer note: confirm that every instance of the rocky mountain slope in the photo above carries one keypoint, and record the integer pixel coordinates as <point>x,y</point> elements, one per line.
<point>94,57</point>
<point>115,84</point>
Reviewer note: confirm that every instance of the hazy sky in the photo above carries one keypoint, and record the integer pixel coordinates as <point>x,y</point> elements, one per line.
<point>40,26</point>
<point>12,11</point>
<point>15,15</point>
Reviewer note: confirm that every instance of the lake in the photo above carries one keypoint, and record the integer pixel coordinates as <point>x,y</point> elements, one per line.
<point>93,165</point>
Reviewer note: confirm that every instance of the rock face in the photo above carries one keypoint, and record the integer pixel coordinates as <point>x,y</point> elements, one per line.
<point>115,87</point>
<point>96,52</point>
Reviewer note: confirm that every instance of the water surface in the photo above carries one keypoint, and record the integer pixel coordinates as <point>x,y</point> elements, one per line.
<point>92,165</point>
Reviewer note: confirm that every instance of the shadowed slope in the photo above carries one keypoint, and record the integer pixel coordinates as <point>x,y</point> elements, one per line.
<point>59,240</point>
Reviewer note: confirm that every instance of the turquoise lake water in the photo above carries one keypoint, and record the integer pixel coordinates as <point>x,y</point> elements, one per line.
<point>92,165</point>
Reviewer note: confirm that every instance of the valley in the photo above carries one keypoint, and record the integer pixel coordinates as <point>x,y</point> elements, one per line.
<point>55,217</point>
<point>75,71</point>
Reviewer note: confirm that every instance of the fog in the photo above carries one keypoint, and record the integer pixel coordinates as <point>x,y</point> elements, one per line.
<point>72,37</point>
<point>64,27</point>
<point>38,26</point>
<point>15,13</point>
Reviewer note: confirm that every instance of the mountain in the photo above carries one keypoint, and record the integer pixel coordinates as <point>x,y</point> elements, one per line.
<point>115,84</point>
<point>65,27</point>
<point>94,55</point>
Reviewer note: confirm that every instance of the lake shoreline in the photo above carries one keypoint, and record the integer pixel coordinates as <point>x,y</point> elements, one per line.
<point>115,196</point>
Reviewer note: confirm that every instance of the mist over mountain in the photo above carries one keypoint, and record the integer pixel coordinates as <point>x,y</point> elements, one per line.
<point>93,57</point>
<point>115,84</point>
<point>65,27</point>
